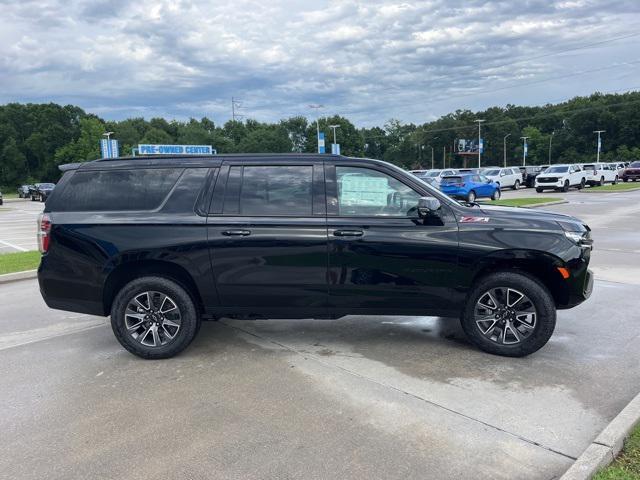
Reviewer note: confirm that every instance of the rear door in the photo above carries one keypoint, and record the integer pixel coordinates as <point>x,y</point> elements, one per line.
<point>382,257</point>
<point>267,235</point>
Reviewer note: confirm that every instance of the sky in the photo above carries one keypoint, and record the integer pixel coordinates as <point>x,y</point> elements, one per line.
<point>367,60</point>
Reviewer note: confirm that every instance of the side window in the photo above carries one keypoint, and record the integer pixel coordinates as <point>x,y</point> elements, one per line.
<point>269,190</point>
<point>366,192</point>
<point>476,179</point>
<point>116,190</point>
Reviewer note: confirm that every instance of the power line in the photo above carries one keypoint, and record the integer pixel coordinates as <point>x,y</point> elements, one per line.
<point>521,119</point>
<point>235,104</point>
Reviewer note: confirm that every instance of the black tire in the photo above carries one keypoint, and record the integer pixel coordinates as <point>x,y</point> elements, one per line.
<point>189,323</point>
<point>471,196</point>
<point>516,185</point>
<point>601,182</point>
<point>540,298</point>
<point>539,190</point>
<point>496,194</point>
<point>582,184</point>
<point>565,187</point>
<point>625,180</point>
<point>615,180</point>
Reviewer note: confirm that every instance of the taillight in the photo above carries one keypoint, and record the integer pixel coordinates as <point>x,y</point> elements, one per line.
<point>44,232</point>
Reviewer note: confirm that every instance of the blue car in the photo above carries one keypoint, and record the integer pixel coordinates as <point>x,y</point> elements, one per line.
<point>469,187</point>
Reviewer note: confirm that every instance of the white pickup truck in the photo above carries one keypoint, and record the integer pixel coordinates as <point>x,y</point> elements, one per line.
<point>561,177</point>
<point>597,174</point>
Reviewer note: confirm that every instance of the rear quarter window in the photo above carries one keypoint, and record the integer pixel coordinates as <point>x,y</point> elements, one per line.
<point>116,190</point>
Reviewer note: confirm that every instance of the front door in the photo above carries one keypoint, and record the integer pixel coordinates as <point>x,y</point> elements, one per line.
<point>382,256</point>
<point>268,237</point>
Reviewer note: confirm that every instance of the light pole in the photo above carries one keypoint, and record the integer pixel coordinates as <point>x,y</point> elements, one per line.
<point>524,151</point>
<point>599,144</point>
<point>551,138</point>
<point>504,147</point>
<point>317,107</point>
<point>444,157</point>
<point>479,143</point>
<point>432,159</point>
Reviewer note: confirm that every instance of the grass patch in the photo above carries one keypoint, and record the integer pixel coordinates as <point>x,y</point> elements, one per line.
<point>619,187</point>
<point>627,465</point>
<point>19,261</point>
<point>524,202</point>
<point>9,195</point>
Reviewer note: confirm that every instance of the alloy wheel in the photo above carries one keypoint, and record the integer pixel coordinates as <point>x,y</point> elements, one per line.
<point>152,318</point>
<point>505,316</point>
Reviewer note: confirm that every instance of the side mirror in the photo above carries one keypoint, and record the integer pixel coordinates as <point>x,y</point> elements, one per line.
<point>428,206</point>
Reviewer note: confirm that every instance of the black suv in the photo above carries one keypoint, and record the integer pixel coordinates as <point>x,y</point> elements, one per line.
<point>162,243</point>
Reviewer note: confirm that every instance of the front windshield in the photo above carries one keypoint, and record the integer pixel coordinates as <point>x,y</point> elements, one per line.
<point>432,173</point>
<point>635,165</point>
<point>46,185</point>
<point>557,170</point>
<point>491,172</point>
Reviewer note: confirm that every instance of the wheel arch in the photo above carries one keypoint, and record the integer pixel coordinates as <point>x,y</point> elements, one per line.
<point>542,266</point>
<point>128,271</point>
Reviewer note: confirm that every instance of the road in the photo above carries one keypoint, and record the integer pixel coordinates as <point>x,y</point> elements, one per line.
<point>18,219</point>
<point>361,397</point>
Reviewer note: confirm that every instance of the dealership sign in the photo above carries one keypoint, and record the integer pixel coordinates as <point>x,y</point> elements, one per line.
<point>147,149</point>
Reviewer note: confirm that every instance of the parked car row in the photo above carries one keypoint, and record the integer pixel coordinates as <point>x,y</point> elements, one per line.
<point>37,191</point>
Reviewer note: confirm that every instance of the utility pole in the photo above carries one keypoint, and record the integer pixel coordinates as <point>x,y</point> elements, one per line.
<point>524,151</point>
<point>479,143</point>
<point>551,138</point>
<point>317,107</point>
<point>599,144</point>
<point>433,165</point>
<point>504,147</point>
<point>444,157</point>
<point>235,103</point>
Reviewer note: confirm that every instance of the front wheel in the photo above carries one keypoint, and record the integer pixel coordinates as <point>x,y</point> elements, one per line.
<point>625,180</point>
<point>154,317</point>
<point>510,314</point>
<point>516,185</point>
<point>565,187</point>
<point>539,190</point>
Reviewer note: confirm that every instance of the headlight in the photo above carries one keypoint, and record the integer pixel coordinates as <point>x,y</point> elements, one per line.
<point>582,239</point>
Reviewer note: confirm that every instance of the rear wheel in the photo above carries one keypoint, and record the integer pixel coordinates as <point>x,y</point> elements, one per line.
<point>582,184</point>
<point>601,182</point>
<point>471,196</point>
<point>516,185</point>
<point>615,180</point>
<point>153,317</point>
<point>496,194</point>
<point>625,180</point>
<point>509,314</point>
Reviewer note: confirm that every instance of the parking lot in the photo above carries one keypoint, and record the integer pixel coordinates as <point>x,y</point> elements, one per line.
<point>360,397</point>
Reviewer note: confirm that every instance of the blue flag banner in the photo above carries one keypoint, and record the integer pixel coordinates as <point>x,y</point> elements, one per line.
<point>321,142</point>
<point>109,148</point>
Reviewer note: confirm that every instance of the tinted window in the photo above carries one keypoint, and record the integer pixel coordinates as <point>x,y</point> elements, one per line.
<point>109,190</point>
<point>635,165</point>
<point>450,180</point>
<point>557,170</point>
<point>366,192</point>
<point>491,172</point>
<point>275,190</point>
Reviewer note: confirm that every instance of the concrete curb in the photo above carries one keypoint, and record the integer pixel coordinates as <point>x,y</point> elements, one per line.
<point>14,277</point>
<point>591,190</point>
<point>607,445</point>
<point>540,205</point>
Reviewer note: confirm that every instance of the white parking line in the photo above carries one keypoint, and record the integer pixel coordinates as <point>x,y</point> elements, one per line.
<point>13,246</point>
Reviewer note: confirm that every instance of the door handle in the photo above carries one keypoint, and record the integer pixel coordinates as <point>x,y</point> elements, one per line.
<point>348,233</point>
<point>236,233</point>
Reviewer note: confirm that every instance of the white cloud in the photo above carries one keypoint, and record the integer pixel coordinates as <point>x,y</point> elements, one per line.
<point>370,59</point>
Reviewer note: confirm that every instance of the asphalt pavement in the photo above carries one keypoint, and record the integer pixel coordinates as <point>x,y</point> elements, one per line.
<point>360,397</point>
